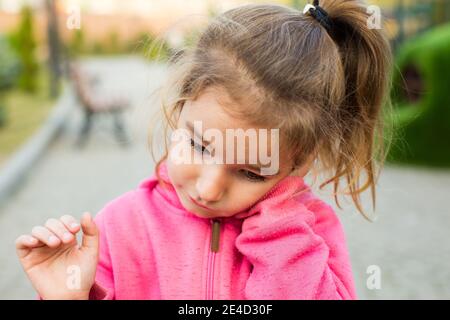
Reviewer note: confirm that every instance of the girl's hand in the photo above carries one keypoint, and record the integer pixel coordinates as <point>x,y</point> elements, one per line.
<point>56,265</point>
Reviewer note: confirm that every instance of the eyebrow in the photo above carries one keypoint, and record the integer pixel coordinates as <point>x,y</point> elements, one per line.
<point>190,126</point>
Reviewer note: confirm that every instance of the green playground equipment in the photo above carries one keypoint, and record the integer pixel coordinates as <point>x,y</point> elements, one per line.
<point>421,100</point>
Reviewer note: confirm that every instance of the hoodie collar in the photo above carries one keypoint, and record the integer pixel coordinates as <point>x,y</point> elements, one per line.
<point>285,189</point>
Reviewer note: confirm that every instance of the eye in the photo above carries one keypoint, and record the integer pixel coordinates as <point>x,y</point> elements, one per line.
<point>197,147</point>
<point>252,176</point>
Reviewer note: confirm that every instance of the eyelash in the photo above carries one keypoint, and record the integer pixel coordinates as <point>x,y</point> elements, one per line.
<point>196,146</point>
<point>254,177</point>
<point>251,176</point>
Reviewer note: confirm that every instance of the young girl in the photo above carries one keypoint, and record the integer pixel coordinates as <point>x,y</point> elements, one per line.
<point>225,230</point>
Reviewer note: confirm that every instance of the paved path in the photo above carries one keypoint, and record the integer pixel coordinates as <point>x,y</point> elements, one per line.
<point>409,242</point>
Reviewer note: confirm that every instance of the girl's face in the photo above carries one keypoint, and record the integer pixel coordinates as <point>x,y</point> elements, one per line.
<point>212,190</point>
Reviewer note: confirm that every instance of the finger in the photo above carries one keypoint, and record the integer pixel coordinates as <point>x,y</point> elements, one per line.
<point>90,232</point>
<point>26,242</point>
<point>60,230</point>
<point>46,236</point>
<point>71,223</point>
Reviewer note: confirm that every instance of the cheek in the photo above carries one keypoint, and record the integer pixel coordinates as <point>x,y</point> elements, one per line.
<point>180,174</point>
<point>243,200</point>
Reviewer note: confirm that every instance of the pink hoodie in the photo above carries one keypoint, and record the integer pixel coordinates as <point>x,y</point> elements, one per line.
<point>284,247</point>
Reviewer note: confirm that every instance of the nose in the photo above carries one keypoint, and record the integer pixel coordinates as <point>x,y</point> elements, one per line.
<point>211,183</point>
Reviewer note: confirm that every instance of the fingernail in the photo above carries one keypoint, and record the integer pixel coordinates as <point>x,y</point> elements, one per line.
<point>52,239</point>
<point>67,236</point>
<point>74,225</point>
<point>31,240</point>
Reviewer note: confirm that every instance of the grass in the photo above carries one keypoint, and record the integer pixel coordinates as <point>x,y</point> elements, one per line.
<point>25,113</point>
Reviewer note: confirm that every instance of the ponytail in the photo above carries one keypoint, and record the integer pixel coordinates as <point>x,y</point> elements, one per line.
<point>366,61</point>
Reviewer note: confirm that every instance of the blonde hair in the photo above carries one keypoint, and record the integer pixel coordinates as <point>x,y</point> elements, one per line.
<point>325,90</point>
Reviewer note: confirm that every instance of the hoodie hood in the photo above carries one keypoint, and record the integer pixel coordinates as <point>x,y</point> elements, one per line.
<point>286,189</point>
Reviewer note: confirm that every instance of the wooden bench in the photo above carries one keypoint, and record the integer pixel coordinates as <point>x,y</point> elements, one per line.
<point>92,105</point>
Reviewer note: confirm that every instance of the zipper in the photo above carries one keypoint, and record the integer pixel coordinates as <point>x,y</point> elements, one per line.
<point>214,248</point>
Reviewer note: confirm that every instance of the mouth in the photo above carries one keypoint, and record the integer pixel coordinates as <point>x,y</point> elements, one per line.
<point>200,205</point>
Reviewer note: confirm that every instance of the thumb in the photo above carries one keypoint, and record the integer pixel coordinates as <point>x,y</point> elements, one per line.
<point>90,232</point>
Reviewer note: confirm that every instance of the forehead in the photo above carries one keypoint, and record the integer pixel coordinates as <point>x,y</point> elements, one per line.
<point>213,108</point>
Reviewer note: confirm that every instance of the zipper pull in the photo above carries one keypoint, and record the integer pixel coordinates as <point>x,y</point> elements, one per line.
<point>215,235</point>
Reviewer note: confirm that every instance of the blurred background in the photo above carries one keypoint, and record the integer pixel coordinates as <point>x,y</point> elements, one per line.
<point>78,83</point>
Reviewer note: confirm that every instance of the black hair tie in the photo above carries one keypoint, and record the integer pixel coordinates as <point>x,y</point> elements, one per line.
<point>318,13</point>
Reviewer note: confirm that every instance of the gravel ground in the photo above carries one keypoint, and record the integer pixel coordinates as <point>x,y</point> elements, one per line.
<point>409,241</point>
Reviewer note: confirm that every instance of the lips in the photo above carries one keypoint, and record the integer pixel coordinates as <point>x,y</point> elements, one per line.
<point>198,204</point>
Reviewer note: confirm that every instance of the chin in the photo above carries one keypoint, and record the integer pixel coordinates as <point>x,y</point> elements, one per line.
<point>206,215</point>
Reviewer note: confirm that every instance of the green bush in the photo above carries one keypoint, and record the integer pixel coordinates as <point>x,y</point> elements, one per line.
<point>422,124</point>
<point>144,43</point>
<point>24,43</point>
<point>155,48</point>
<point>76,45</point>
<point>3,115</point>
<point>9,70</point>
<point>9,65</point>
